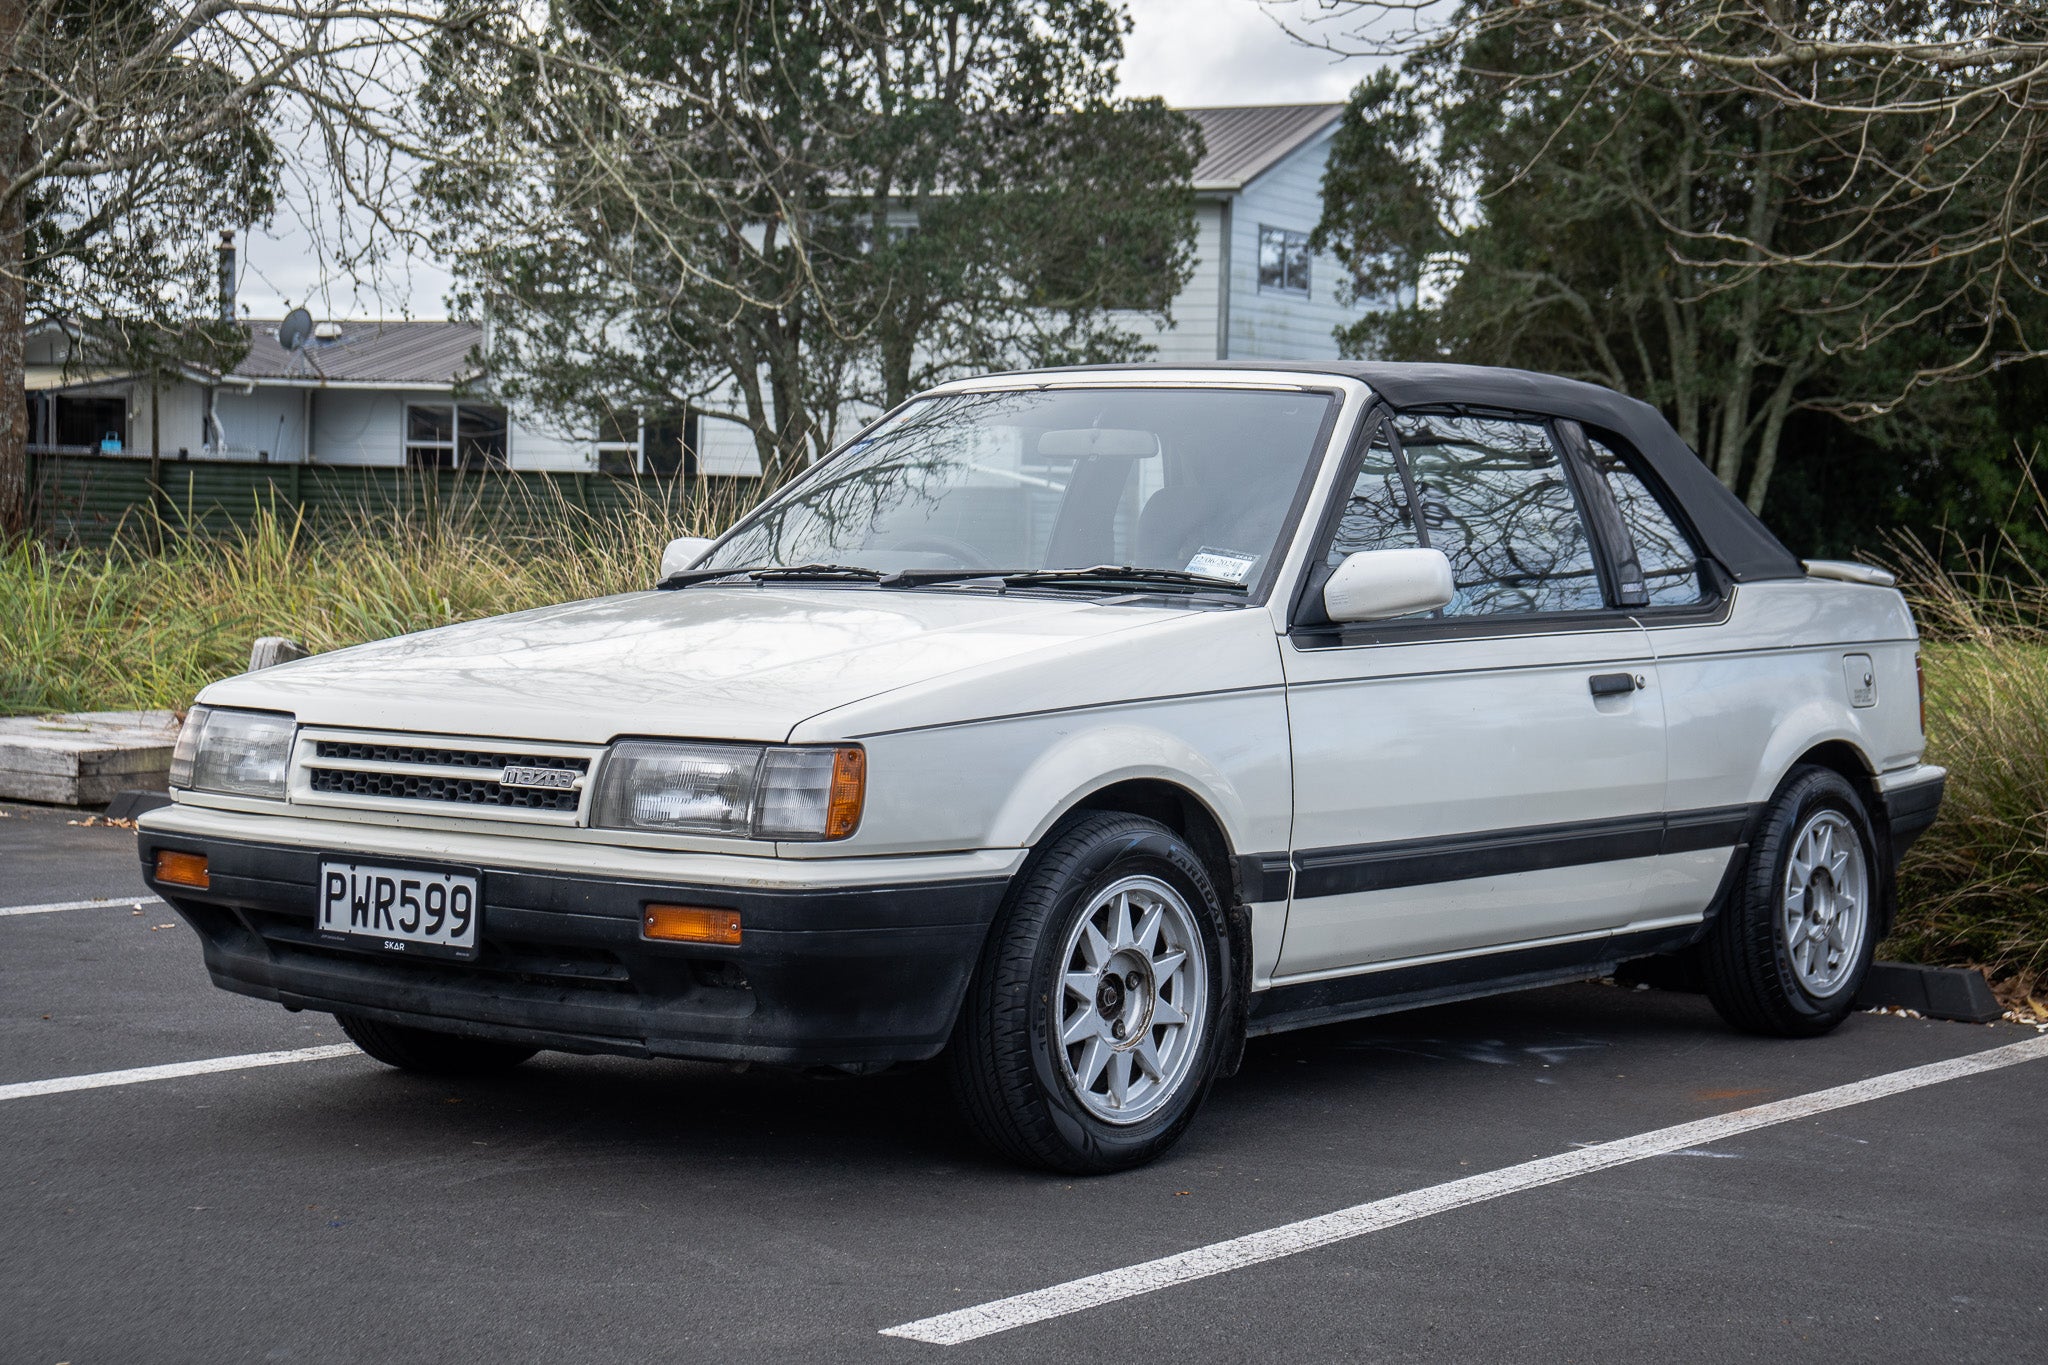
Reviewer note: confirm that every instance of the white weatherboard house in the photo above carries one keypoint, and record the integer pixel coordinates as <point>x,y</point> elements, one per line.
<point>1258,292</point>
<point>409,393</point>
<point>357,393</point>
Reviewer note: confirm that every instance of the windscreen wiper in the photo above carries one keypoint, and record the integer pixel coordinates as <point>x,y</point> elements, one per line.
<point>915,578</point>
<point>797,573</point>
<point>777,573</point>
<point>1113,575</point>
<point>689,578</point>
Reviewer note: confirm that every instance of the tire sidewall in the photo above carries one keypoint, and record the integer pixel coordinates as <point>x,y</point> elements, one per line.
<point>1811,793</point>
<point>1122,854</point>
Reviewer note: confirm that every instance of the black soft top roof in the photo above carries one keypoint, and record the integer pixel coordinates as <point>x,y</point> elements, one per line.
<point>1729,531</point>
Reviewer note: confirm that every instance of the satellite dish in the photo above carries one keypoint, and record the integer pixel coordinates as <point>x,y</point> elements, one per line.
<point>296,327</point>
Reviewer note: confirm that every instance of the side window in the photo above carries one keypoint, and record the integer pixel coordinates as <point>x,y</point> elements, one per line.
<point>1671,569</point>
<point>1377,515</point>
<point>1495,499</point>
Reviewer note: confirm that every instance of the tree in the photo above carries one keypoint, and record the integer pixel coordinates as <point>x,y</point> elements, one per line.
<point>1634,223</point>
<point>130,130</point>
<point>1922,124</point>
<point>781,211</point>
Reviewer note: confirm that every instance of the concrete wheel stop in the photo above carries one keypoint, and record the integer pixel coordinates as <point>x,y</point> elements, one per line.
<point>1958,993</point>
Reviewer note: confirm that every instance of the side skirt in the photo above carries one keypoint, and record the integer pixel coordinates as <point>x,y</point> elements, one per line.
<point>1358,996</point>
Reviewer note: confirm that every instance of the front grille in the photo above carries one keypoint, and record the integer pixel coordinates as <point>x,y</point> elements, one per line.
<point>458,790</point>
<point>443,758</point>
<point>416,775</point>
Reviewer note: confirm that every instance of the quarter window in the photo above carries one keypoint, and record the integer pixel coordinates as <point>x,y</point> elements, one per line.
<point>1283,260</point>
<point>454,436</point>
<point>1376,516</point>
<point>1671,569</point>
<point>1494,497</point>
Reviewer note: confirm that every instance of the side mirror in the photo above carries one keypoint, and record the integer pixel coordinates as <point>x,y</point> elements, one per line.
<point>1372,585</point>
<point>682,554</point>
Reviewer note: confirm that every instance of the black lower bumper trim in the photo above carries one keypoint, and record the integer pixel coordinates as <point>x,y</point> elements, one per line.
<point>1910,810</point>
<point>821,976</point>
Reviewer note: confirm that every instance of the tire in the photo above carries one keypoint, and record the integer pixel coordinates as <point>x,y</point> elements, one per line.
<point>1789,965</point>
<point>428,1052</point>
<point>1062,1106</point>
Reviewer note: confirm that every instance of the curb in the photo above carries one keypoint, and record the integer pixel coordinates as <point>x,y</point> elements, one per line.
<point>126,805</point>
<point>1956,993</point>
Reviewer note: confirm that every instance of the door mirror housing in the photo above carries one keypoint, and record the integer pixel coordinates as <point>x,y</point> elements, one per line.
<point>1372,585</point>
<point>682,554</point>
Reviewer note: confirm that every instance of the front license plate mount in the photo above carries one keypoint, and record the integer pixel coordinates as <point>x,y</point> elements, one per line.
<point>404,909</point>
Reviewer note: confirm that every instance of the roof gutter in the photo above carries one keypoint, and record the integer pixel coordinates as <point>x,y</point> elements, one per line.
<point>406,385</point>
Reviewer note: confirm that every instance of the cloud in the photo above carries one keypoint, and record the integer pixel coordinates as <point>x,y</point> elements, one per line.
<point>1199,52</point>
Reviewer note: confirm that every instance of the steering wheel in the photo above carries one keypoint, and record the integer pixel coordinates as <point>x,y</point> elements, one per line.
<point>967,555</point>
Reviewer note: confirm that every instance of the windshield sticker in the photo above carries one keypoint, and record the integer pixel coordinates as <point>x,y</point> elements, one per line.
<point>1222,564</point>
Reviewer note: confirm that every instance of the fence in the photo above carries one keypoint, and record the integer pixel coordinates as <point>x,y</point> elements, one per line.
<point>95,499</point>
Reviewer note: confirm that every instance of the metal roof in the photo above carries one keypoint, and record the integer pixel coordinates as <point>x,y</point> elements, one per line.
<point>401,353</point>
<point>1243,142</point>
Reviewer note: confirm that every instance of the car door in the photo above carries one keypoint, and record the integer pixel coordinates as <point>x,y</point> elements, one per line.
<point>1723,695</point>
<point>1491,774</point>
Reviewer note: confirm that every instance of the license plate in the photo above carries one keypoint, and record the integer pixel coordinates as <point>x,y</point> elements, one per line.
<point>424,912</point>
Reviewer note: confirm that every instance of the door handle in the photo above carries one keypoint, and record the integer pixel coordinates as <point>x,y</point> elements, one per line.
<point>1614,684</point>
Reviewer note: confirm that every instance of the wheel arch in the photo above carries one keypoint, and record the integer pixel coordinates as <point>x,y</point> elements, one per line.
<point>1847,760</point>
<point>1183,811</point>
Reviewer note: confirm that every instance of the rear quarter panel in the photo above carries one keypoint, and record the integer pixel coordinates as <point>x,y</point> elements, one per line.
<point>1744,697</point>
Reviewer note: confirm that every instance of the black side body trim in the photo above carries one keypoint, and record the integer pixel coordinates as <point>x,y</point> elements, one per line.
<point>1265,877</point>
<point>1348,869</point>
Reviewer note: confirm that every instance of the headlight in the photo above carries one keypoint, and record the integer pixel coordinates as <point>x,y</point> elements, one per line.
<point>764,791</point>
<point>235,753</point>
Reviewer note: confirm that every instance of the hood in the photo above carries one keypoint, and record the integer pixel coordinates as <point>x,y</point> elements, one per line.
<point>706,662</point>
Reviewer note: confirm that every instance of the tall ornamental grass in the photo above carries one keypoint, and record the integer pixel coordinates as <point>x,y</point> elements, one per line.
<point>1974,888</point>
<point>130,627</point>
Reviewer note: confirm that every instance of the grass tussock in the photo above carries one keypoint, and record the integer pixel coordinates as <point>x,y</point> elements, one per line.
<point>1974,889</point>
<point>131,627</point>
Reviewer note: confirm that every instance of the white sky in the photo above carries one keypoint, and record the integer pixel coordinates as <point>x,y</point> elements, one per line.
<point>1191,52</point>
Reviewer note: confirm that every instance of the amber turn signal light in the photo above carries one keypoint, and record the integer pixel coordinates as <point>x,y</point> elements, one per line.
<point>181,869</point>
<point>691,924</point>
<point>849,789</point>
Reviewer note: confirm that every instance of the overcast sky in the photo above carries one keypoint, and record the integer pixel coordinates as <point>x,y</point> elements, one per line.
<point>1191,52</point>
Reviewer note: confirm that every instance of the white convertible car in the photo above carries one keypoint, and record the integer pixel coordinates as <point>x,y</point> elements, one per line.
<point>1078,725</point>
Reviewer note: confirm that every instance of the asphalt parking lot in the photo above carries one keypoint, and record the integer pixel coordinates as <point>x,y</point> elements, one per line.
<point>585,1209</point>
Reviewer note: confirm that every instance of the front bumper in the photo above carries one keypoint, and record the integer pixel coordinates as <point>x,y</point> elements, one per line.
<point>823,975</point>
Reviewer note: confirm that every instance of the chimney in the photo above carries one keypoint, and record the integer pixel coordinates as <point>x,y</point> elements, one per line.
<point>226,250</point>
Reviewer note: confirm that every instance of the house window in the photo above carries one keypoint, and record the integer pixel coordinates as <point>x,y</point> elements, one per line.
<point>1283,260</point>
<point>618,441</point>
<point>99,424</point>
<point>632,442</point>
<point>454,436</point>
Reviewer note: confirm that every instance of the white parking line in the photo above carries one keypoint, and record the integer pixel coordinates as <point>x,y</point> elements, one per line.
<point>1001,1315</point>
<point>57,1085</point>
<point>124,902</point>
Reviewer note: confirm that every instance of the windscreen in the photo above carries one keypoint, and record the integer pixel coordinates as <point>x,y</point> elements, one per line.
<point>1192,480</point>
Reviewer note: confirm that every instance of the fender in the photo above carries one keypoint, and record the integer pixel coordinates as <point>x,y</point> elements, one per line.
<point>1087,761</point>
